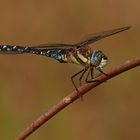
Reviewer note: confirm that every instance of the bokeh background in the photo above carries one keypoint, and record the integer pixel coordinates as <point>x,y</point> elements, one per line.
<point>30,84</point>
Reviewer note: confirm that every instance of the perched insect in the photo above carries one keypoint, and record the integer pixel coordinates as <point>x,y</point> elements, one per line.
<point>80,53</point>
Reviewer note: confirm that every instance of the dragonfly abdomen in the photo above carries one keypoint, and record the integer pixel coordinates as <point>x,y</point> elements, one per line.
<point>59,55</point>
<point>8,49</point>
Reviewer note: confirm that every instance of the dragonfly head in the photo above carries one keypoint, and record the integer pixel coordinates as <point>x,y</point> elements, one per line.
<point>98,59</point>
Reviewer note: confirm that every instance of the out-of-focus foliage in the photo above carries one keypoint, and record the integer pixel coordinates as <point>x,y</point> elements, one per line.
<point>30,84</point>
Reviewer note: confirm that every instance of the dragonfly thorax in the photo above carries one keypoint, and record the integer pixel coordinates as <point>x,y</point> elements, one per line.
<point>98,59</point>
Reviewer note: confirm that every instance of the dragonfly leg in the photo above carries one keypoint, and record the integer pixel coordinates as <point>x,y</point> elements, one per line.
<point>94,80</point>
<point>102,72</point>
<point>92,73</point>
<point>92,77</point>
<point>74,77</point>
<point>80,79</point>
<point>89,71</point>
<point>83,70</point>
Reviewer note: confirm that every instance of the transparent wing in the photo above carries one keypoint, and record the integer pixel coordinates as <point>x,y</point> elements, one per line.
<point>54,46</point>
<point>95,37</point>
<point>88,40</point>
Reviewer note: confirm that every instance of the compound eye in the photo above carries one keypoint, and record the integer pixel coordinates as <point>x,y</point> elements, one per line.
<point>96,58</point>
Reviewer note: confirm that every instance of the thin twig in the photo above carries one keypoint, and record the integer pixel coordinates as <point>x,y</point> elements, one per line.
<point>73,96</point>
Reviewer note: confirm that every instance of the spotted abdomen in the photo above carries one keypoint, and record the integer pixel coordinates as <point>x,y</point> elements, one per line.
<point>57,54</point>
<point>8,49</point>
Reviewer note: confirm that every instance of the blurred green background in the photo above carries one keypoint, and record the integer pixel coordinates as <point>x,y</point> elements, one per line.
<point>30,84</point>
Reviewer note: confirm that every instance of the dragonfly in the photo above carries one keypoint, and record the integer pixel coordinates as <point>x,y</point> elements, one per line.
<point>80,53</point>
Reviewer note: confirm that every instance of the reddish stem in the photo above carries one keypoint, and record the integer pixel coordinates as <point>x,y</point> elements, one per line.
<point>73,96</point>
